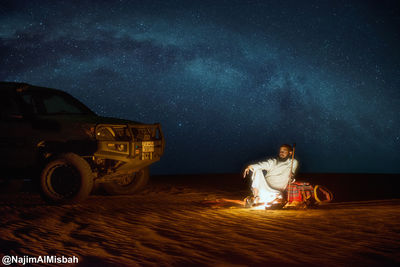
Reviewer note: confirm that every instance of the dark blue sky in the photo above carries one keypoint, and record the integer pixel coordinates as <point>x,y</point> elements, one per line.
<point>229,80</point>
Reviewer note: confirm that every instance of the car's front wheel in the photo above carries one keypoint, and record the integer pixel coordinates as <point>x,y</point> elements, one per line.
<point>129,184</point>
<point>66,179</point>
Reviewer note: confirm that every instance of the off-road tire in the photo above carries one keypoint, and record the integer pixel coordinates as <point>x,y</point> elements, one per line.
<point>67,178</point>
<point>137,181</point>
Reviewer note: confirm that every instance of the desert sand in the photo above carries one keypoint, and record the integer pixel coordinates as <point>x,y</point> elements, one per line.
<point>173,222</point>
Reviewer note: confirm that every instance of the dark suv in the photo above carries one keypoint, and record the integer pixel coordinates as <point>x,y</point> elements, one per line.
<point>48,134</point>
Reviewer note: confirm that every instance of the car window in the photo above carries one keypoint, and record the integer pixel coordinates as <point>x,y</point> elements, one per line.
<point>8,106</point>
<point>56,104</point>
<point>29,100</point>
<point>53,103</point>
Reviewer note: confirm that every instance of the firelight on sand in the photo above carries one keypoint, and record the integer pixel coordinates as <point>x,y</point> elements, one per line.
<point>261,207</point>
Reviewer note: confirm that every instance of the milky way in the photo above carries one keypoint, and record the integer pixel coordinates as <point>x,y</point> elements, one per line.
<point>229,80</point>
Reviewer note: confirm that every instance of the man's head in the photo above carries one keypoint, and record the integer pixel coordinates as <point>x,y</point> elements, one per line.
<point>285,152</point>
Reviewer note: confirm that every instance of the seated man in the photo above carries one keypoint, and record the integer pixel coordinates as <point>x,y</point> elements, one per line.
<point>279,171</point>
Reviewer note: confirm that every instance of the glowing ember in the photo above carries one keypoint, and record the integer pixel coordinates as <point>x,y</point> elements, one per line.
<point>261,207</point>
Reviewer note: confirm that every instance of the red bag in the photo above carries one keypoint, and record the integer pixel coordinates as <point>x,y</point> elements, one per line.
<point>305,192</point>
<point>300,191</point>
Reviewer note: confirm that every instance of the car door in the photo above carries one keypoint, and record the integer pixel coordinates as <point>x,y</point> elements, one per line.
<point>17,148</point>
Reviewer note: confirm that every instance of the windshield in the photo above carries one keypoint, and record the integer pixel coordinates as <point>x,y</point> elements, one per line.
<point>53,103</point>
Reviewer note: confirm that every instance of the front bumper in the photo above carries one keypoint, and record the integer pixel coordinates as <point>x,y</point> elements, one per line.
<point>135,146</point>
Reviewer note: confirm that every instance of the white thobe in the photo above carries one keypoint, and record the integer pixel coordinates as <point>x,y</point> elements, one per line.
<point>276,179</point>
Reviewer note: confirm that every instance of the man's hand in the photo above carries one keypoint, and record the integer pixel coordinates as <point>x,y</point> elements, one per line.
<point>291,178</point>
<point>246,171</point>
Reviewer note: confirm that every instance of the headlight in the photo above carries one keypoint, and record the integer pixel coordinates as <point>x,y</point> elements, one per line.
<point>113,133</point>
<point>120,147</point>
<point>105,133</point>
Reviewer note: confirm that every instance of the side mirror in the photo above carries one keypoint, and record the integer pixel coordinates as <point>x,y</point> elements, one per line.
<point>16,116</point>
<point>4,116</point>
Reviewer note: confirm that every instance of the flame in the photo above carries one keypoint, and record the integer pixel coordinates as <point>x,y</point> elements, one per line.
<point>263,206</point>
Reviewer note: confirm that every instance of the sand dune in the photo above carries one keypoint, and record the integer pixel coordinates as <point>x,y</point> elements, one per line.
<point>170,223</point>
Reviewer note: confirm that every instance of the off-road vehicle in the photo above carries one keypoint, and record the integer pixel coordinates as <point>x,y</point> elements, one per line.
<point>48,134</point>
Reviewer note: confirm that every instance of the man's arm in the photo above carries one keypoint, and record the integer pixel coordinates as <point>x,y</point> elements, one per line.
<point>247,170</point>
<point>294,170</point>
<point>295,165</point>
<point>262,165</point>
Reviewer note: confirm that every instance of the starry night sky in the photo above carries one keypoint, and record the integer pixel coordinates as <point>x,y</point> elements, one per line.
<point>229,80</point>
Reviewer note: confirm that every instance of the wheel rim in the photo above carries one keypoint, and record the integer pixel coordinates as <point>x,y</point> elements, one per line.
<point>64,181</point>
